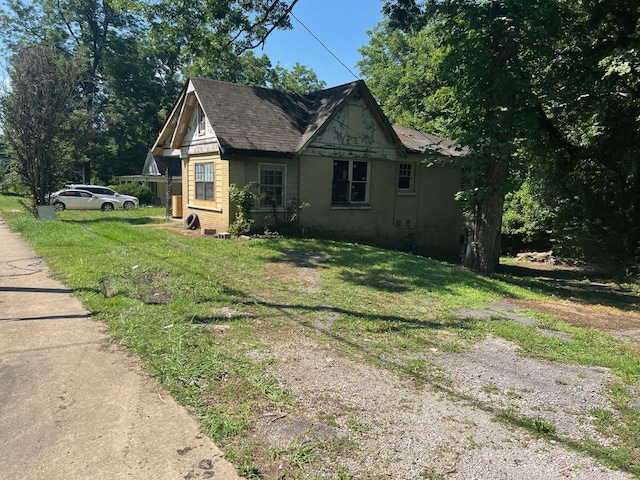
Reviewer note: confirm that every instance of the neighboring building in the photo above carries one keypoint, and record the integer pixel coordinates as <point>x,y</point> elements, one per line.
<point>154,176</point>
<point>363,179</point>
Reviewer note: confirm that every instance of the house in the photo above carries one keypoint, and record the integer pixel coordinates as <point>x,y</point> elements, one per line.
<point>363,180</point>
<point>154,175</point>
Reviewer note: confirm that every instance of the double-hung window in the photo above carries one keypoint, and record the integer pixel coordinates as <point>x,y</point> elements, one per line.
<point>405,177</point>
<point>272,185</point>
<point>350,182</point>
<point>204,181</point>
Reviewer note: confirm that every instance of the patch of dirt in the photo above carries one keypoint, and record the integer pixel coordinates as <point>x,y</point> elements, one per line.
<point>581,302</point>
<point>442,429</point>
<point>602,317</point>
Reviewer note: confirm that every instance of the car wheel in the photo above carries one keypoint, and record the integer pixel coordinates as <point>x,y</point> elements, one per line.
<point>107,207</point>
<point>128,205</point>
<point>59,206</point>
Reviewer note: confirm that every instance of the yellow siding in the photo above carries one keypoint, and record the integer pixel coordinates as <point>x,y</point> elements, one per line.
<point>264,216</point>
<point>214,214</point>
<point>429,216</point>
<point>373,223</point>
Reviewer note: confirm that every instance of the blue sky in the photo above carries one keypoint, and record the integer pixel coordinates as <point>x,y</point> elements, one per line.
<point>341,25</point>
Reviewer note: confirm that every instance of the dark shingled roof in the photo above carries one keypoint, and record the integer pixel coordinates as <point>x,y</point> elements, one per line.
<point>415,141</point>
<point>260,120</point>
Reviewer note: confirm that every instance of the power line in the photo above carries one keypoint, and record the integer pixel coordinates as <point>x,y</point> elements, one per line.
<point>324,46</point>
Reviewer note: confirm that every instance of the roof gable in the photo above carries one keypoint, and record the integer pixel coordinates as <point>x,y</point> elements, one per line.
<point>251,118</point>
<point>157,165</point>
<point>256,120</point>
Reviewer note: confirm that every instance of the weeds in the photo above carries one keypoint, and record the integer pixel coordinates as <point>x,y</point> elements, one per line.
<point>223,300</point>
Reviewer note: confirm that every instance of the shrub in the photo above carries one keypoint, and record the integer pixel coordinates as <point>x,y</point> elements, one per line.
<point>244,199</point>
<point>143,193</point>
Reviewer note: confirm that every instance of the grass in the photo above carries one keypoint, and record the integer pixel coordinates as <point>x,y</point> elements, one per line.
<point>200,313</point>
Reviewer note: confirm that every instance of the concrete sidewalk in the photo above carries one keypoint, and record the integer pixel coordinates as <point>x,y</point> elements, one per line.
<point>71,406</point>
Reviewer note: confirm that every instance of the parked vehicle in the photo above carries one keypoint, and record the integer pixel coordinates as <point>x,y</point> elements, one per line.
<point>127,201</point>
<point>72,199</point>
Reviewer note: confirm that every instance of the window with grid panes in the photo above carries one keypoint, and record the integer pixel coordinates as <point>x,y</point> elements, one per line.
<point>350,182</point>
<point>272,183</point>
<point>405,177</point>
<point>204,181</point>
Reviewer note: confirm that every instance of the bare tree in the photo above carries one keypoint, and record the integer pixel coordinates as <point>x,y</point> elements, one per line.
<point>41,98</point>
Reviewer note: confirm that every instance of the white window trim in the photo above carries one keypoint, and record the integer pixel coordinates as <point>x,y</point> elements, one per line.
<point>367,193</point>
<point>411,189</point>
<point>279,166</point>
<point>213,181</point>
<point>201,121</point>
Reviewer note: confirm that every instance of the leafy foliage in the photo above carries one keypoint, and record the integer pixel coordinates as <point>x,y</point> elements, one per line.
<point>300,79</point>
<point>543,91</point>
<point>401,69</point>
<point>134,55</point>
<point>244,199</point>
<point>144,194</point>
<point>37,112</point>
<point>527,221</point>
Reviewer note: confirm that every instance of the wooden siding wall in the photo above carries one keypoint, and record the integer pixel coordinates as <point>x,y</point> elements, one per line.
<point>214,215</point>
<point>353,133</point>
<point>430,215</point>
<point>264,216</point>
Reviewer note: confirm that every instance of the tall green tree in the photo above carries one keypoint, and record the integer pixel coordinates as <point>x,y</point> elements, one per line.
<point>36,113</point>
<point>545,91</point>
<point>136,54</point>
<point>490,52</point>
<point>94,32</point>
<point>209,38</point>
<point>402,71</point>
<point>299,79</point>
<point>593,117</point>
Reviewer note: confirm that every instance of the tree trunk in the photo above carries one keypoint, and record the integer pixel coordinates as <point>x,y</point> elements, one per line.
<point>483,246</point>
<point>168,193</point>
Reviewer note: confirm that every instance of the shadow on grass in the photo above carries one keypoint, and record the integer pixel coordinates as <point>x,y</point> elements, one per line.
<point>574,285</point>
<point>615,457</point>
<point>388,271</point>
<point>397,272</point>
<point>114,219</point>
<point>373,268</point>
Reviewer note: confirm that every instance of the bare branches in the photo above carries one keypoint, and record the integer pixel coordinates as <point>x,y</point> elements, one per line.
<point>264,20</point>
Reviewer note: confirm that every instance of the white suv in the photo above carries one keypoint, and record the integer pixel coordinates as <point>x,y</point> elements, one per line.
<point>127,201</point>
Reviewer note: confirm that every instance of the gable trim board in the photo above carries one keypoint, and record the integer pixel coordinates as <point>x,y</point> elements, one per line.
<point>335,150</point>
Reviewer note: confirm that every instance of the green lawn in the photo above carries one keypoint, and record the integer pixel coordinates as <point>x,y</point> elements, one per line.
<point>164,295</point>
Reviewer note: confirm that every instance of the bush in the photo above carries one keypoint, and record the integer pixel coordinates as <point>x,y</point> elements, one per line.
<point>143,193</point>
<point>244,199</point>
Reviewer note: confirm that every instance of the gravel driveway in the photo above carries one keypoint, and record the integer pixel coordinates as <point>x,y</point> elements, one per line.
<point>437,430</point>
